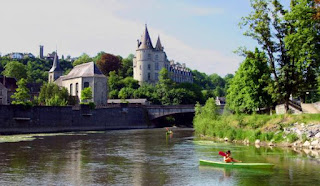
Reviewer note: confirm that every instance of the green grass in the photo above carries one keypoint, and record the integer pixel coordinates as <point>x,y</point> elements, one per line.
<point>251,127</point>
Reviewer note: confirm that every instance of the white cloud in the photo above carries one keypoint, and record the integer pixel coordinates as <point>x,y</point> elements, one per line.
<point>78,26</point>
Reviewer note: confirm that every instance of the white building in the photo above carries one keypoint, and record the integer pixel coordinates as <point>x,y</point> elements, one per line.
<point>150,60</point>
<point>80,77</point>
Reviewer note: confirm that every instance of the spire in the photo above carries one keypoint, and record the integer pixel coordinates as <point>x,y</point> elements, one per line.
<point>56,64</point>
<point>145,40</point>
<point>158,45</point>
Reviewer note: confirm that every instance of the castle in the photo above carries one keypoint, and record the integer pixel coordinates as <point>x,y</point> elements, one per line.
<point>150,60</point>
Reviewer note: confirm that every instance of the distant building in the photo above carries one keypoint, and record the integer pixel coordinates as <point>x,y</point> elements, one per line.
<point>18,55</point>
<point>220,100</point>
<point>41,52</point>
<point>80,77</point>
<point>8,87</point>
<point>150,60</point>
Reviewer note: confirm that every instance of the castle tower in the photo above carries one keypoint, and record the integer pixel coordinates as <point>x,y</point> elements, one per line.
<point>56,71</point>
<point>148,60</point>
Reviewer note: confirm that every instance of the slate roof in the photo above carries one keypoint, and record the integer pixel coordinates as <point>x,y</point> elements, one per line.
<point>56,64</point>
<point>146,40</point>
<point>158,45</point>
<point>84,70</point>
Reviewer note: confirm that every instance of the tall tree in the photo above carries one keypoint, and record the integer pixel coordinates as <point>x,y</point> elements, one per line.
<point>108,63</point>
<point>248,90</point>
<point>267,24</point>
<point>15,69</point>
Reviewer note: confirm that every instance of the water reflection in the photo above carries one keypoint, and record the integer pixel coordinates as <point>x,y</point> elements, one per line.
<point>146,157</point>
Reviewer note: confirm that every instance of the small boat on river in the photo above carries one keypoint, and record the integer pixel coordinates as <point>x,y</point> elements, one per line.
<point>237,165</point>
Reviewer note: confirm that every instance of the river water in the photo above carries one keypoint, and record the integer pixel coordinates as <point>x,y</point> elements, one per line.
<point>146,157</point>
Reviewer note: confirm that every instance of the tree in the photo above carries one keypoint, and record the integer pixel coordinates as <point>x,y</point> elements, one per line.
<point>248,90</point>
<point>113,81</point>
<point>108,63</point>
<point>303,43</point>
<point>274,29</point>
<point>84,58</point>
<point>86,94</point>
<point>126,93</point>
<point>53,95</point>
<point>15,69</point>
<point>21,96</point>
<point>126,69</point>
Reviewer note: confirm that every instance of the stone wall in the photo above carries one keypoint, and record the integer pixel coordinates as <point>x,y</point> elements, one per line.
<point>17,119</point>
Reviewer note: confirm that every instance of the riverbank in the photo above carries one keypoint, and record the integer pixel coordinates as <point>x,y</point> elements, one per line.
<point>300,131</point>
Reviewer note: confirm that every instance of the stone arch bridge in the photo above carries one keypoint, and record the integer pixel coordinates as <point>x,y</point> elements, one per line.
<point>158,111</point>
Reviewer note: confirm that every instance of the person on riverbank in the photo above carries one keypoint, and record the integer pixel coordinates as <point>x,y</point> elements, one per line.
<point>229,159</point>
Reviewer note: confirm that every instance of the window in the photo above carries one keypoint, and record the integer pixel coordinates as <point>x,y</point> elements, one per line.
<point>149,66</point>
<point>156,67</point>
<point>156,76</point>
<point>86,84</point>
<point>71,89</point>
<point>140,67</point>
<point>149,76</point>
<point>0,92</point>
<point>149,56</point>
<point>77,89</point>
<point>157,57</point>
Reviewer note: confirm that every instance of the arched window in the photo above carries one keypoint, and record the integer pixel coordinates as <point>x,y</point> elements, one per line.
<point>156,67</point>
<point>77,89</point>
<point>149,76</point>
<point>71,87</point>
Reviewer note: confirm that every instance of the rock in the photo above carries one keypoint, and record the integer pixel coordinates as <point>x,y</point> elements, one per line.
<point>257,142</point>
<point>298,132</point>
<point>310,134</point>
<point>315,143</point>
<point>226,139</point>
<point>317,135</point>
<point>246,141</point>
<point>306,144</point>
<point>271,143</point>
<point>297,144</point>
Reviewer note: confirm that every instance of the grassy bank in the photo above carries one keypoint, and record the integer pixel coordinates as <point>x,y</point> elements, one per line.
<point>208,122</point>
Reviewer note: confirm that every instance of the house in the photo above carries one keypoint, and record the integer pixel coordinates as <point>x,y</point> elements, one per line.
<point>80,77</point>
<point>8,87</point>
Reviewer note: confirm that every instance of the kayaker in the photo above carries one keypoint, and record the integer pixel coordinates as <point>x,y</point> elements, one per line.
<point>229,159</point>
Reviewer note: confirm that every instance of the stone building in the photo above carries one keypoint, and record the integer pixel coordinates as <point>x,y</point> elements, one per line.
<point>150,60</point>
<point>8,87</point>
<point>80,77</point>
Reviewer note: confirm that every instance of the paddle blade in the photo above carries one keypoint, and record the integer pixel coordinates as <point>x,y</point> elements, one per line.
<point>222,153</point>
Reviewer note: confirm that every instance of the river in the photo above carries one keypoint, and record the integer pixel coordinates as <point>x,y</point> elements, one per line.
<point>145,157</point>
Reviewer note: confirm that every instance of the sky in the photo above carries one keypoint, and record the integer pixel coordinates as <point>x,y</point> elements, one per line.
<point>201,33</point>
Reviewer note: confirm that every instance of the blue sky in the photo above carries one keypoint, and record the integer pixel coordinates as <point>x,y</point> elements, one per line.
<point>201,33</point>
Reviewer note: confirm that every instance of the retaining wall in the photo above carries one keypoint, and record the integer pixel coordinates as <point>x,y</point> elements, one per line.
<point>17,119</point>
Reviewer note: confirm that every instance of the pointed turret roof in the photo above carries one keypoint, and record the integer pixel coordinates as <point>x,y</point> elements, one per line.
<point>56,64</point>
<point>158,45</point>
<point>146,40</point>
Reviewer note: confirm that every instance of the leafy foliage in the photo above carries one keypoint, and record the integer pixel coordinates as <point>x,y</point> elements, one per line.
<point>15,69</point>
<point>248,89</point>
<point>86,94</point>
<point>52,95</point>
<point>21,96</point>
<point>108,63</point>
<point>84,58</point>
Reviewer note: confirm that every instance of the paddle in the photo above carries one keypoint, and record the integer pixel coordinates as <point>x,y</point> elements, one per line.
<point>222,153</point>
